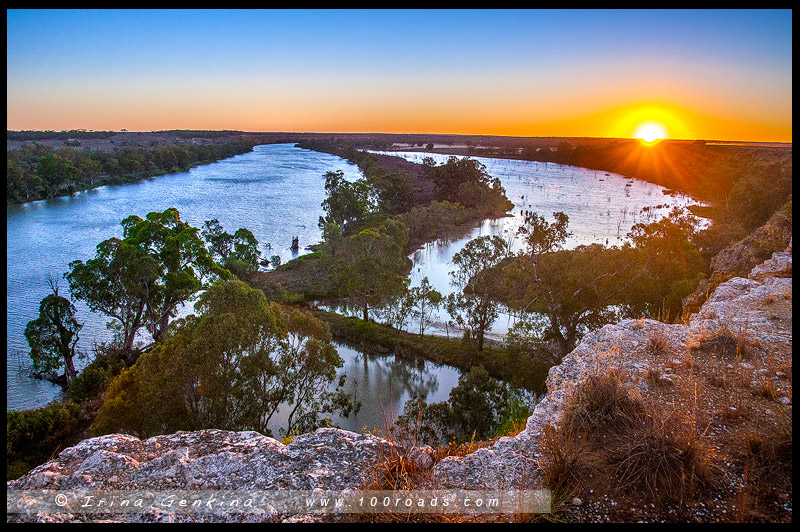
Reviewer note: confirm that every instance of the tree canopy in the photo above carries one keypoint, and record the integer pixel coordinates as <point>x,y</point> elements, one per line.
<point>53,335</point>
<point>141,279</point>
<point>232,367</point>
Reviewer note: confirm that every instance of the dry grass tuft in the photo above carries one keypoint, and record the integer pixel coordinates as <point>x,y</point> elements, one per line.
<point>658,343</point>
<point>604,401</point>
<point>664,458</point>
<point>726,344</point>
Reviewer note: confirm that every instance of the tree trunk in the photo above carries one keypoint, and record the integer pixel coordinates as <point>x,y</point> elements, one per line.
<point>69,369</point>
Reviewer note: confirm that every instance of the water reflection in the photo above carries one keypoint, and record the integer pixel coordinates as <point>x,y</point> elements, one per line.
<point>383,384</point>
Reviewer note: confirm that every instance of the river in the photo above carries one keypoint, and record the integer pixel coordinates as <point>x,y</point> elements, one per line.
<point>602,207</point>
<point>276,192</point>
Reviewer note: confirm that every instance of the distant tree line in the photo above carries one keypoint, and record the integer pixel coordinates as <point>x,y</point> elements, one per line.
<point>39,172</point>
<point>743,189</point>
<point>59,135</point>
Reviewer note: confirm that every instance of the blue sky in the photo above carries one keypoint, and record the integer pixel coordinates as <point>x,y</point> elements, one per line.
<point>244,69</point>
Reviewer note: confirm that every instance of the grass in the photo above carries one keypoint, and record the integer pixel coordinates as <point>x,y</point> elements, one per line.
<point>611,441</point>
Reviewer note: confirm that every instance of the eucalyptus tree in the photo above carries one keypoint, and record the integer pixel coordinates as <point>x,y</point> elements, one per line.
<point>348,202</point>
<point>369,266</point>
<point>53,335</point>
<point>233,366</point>
<point>115,283</point>
<point>183,263</point>
<point>238,251</point>
<point>473,306</point>
<point>424,301</point>
<point>140,279</point>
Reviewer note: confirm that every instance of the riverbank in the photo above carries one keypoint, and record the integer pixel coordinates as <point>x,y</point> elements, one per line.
<point>40,170</point>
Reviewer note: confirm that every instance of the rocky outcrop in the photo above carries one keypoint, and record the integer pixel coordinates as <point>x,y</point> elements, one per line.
<point>757,307</point>
<point>328,459</point>
<point>741,258</point>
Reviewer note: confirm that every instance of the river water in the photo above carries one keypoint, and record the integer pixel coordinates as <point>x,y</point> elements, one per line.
<point>602,207</point>
<point>276,192</point>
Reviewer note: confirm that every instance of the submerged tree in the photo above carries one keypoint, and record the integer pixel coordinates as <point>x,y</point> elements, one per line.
<point>53,335</point>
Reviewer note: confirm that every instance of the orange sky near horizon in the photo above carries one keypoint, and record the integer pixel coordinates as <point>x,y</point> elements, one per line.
<point>714,75</point>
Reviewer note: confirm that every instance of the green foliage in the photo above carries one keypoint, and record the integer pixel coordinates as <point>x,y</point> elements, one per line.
<point>370,266</point>
<point>348,202</point>
<point>435,221</point>
<point>115,284</point>
<point>379,339</point>
<point>231,367</point>
<point>141,279</point>
<point>541,236</point>
<point>424,302</point>
<point>37,171</point>
<point>671,263</point>
<point>466,181</point>
<point>55,172</point>
<point>571,292</point>
<point>182,260</point>
<point>34,436</point>
<point>92,382</point>
<point>238,251</point>
<point>53,335</point>
<point>472,307</point>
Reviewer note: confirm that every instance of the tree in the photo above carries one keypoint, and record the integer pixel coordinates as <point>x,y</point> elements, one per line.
<point>347,202</point>
<point>582,289</point>
<point>394,191</point>
<point>575,290</point>
<point>472,306</point>
<point>424,302</point>
<point>182,259</point>
<point>370,266</point>
<point>55,172</point>
<point>672,265</point>
<point>238,251</point>
<point>540,236</point>
<point>53,335</point>
<point>141,279</point>
<point>115,283</point>
<point>466,181</point>
<point>232,367</point>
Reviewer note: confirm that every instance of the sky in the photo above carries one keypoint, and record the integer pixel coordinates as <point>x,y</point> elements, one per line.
<point>710,74</point>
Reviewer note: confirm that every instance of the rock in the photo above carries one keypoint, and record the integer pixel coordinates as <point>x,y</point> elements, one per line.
<point>330,459</point>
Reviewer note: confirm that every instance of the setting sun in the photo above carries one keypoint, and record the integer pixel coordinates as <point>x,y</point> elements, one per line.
<point>650,132</point>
